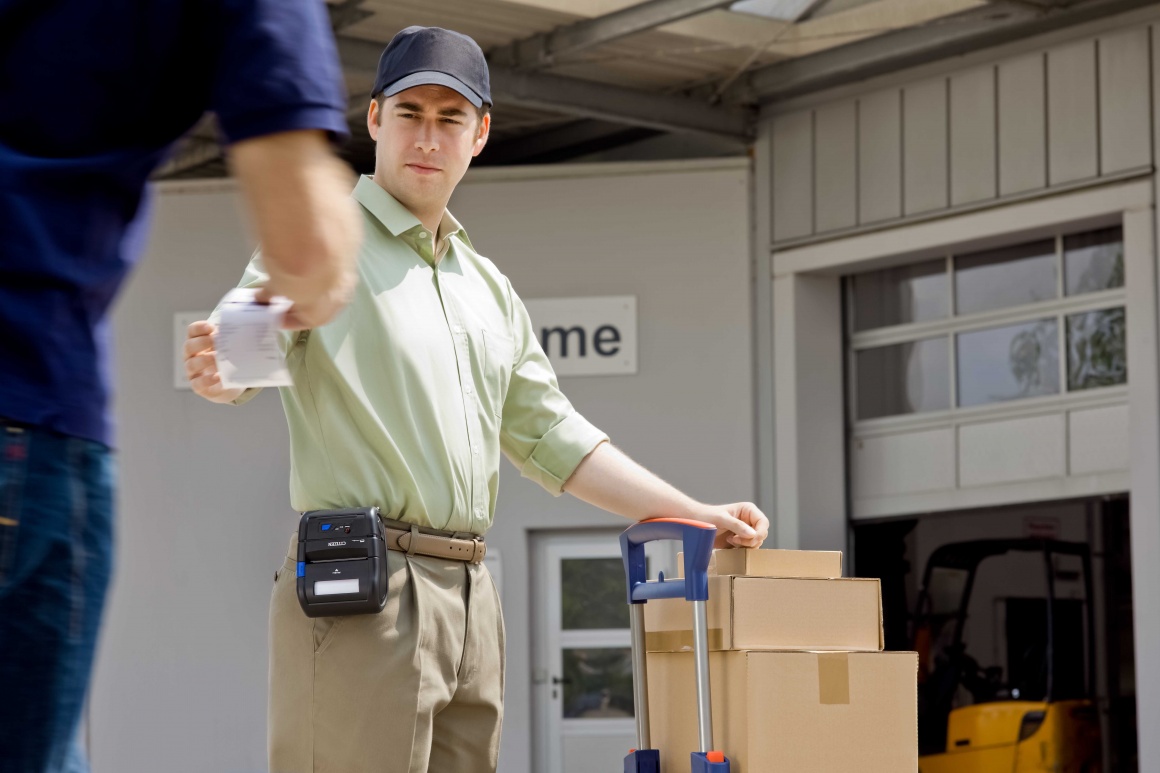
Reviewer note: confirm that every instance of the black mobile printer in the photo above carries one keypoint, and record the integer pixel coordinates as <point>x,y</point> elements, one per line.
<point>342,562</point>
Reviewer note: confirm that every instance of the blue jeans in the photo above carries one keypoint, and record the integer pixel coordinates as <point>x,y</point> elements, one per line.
<point>56,545</point>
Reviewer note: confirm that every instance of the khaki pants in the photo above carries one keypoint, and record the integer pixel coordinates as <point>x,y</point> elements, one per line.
<point>415,688</point>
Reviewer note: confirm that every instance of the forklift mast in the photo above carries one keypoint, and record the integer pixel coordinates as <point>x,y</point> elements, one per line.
<point>967,556</point>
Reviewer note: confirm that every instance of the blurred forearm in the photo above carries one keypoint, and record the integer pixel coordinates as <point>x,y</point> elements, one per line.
<point>298,194</point>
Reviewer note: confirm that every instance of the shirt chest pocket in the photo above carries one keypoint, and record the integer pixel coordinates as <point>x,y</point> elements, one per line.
<point>498,359</point>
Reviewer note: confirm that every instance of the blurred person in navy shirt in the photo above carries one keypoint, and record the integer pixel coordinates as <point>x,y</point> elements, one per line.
<point>93,96</point>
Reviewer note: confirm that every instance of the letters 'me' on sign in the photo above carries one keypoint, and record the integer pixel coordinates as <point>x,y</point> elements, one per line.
<point>587,336</point>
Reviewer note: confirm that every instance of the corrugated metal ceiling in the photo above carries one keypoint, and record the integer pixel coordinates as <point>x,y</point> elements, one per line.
<point>696,55</point>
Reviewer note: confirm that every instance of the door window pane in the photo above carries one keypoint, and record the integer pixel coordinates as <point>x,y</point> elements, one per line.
<point>1011,276</point>
<point>597,682</point>
<point>896,296</point>
<point>1094,261</point>
<point>1096,351</point>
<point>1006,363</point>
<point>903,378</point>
<point>592,593</point>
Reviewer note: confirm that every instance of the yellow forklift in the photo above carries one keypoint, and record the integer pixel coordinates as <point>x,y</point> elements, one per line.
<point>1039,715</point>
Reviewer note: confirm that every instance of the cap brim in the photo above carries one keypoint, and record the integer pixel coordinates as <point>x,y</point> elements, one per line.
<point>432,78</point>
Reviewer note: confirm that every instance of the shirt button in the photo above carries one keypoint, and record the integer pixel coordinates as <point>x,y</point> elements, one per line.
<point>467,389</point>
<point>458,328</point>
<point>423,234</point>
<point>479,512</point>
<point>475,450</point>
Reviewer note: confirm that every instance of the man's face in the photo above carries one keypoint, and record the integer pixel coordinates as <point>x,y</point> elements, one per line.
<point>425,138</point>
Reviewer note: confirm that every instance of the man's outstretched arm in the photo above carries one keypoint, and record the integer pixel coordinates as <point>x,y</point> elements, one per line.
<point>610,480</point>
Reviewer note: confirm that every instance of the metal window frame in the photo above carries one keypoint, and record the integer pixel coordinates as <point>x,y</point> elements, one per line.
<point>951,326</point>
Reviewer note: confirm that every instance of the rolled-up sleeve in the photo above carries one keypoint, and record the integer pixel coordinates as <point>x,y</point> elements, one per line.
<point>541,433</point>
<point>277,70</point>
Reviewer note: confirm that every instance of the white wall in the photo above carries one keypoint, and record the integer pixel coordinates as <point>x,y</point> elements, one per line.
<point>204,516</point>
<point>810,438</point>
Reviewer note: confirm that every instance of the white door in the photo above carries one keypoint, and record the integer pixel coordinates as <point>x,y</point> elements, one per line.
<point>583,669</point>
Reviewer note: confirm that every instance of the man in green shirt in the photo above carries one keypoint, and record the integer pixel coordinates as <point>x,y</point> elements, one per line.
<point>405,401</point>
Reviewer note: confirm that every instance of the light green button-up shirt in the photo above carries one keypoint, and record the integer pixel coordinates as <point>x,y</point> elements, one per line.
<point>406,399</point>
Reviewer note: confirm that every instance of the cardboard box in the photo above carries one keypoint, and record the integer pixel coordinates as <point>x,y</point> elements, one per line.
<point>773,613</point>
<point>791,712</point>
<point>762,562</point>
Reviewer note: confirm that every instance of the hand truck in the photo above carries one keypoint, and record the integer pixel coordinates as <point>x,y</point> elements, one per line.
<point>697,538</point>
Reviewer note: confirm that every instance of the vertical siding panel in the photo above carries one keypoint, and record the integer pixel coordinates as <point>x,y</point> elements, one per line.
<point>880,156</point>
<point>1022,125</point>
<point>1072,113</point>
<point>1124,85</point>
<point>924,132</point>
<point>793,168</point>
<point>835,166</point>
<point>973,136</point>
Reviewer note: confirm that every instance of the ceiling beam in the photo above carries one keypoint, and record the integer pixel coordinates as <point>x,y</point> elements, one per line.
<point>635,107</point>
<point>567,141</point>
<point>982,27</point>
<point>191,153</point>
<point>830,7</point>
<point>346,14</point>
<point>587,99</point>
<point>545,48</point>
<point>1037,4</point>
<point>198,147</point>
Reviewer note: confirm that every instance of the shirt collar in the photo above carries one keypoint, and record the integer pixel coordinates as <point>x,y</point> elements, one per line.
<point>449,226</point>
<point>397,218</point>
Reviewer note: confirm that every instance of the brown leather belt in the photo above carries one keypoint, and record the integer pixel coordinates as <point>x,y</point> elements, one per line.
<point>420,541</point>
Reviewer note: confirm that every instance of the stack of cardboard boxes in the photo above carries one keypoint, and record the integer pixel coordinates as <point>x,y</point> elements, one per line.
<point>799,681</point>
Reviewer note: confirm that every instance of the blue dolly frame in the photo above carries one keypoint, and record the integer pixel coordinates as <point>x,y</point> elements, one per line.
<point>697,538</point>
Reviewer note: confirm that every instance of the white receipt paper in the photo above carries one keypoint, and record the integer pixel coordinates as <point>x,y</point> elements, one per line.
<point>248,354</point>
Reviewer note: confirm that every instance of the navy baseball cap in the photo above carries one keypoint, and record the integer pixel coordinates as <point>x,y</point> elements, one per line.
<point>432,56</point>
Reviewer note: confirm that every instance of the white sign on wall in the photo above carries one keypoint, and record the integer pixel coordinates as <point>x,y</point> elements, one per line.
<point>582,336</point>
<point>587,336</point>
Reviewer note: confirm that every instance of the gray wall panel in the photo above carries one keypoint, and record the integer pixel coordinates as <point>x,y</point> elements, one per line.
<point>1124,87</point>
<point>793,175</point>
<point>1037,121</point>
<point>1071,113</point>
<point>1022,124</point>
<point>973,129</point>
<point>924,133</point>
<point>880,156</point>
<point>836,166</point>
